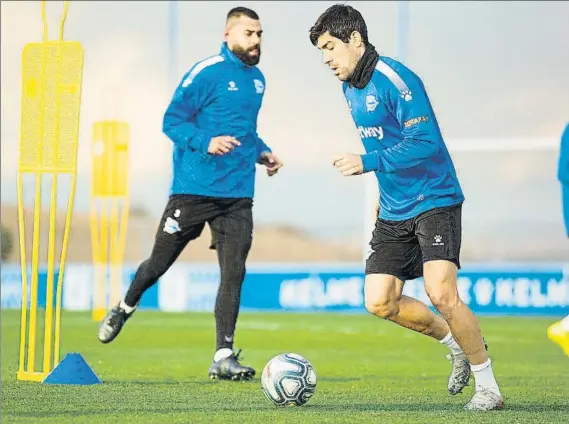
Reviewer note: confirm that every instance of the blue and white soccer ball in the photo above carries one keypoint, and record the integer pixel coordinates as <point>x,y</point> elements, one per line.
<point>288,379</point>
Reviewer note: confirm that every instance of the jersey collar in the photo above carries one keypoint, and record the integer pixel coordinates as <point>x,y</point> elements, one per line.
<point>364,69</point>
<point>229,56</point>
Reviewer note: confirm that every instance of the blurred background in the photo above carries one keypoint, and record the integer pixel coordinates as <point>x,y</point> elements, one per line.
<point>497,73</point>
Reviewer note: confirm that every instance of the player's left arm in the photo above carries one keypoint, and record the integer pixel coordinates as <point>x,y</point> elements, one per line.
<point>266,157</point>
<point>413,113</point>
<point>262,148</point>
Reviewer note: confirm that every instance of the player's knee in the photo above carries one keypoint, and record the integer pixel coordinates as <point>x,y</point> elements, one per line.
<point>441,285</point>
<point>381,295</point>
<point>232,274</point>
<point>153,269</point>
<point>233,261</point>
<point>443,299</point>
<point>382,308</point>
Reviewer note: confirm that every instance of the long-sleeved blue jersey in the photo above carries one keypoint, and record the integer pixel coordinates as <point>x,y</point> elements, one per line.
<point>563,175</point>
<point>218,96</point>
<point>403,142</point>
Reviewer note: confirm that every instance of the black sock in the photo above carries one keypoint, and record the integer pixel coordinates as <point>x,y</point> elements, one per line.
<point>229,294</point>
<point>226,312</point>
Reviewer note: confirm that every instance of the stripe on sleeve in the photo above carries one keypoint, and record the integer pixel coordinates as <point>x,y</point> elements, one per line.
<point>200,67</point>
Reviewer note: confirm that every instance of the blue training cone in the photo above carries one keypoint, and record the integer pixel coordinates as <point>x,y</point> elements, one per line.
<point>73,369</point>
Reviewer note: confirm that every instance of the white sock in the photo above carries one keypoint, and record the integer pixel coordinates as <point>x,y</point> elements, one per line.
<point>451,343</point>
<point>222,354</point>
<point>565,323</point>
<point>127,309</point>
<point>484,377</point>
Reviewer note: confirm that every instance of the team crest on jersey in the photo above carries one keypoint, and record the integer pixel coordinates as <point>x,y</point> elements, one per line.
<point>259,86</point>
<point>406,95</point>
<point>371,103</point>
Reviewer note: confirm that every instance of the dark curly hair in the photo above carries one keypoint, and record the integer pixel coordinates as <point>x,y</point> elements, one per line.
<point>340,21</point>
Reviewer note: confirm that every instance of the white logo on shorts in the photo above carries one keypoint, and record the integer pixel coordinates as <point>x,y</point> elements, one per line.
<point>171,226</point>
<point>438,241</point>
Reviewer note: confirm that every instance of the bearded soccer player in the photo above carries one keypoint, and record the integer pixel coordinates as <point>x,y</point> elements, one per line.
<point>559,331</point>
<point>212,121</point>
<point>418,230</point>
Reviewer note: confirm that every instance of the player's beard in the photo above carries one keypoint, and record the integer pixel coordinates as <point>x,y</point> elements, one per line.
<point>245,56</point>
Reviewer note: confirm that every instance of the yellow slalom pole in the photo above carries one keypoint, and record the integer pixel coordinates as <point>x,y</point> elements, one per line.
<point>114,257</point>
<point>57,337</point>
<point>50,108</point>
<point>24,307</point>
<point>37,200</point>
<point>109,212</point>
<point>49,329</point>
<point>121,245</point>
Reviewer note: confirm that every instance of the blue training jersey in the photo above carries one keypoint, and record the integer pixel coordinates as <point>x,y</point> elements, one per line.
<point>563,168</point>
<point>403,143</point>
<point>563,175</point>
<point>218,96</point>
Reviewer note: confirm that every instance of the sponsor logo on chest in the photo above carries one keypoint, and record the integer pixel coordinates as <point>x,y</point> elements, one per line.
<point>369,132</point>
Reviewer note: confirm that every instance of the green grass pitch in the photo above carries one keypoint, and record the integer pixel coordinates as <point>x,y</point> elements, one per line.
<point>369,371</point>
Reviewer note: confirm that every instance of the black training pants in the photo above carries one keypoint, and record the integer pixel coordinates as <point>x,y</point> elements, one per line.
<point>185,216</point>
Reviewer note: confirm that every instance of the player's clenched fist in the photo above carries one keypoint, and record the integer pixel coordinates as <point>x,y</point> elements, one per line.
<point>349,164</point>
<point>222,144</point>
<point>272,162</point>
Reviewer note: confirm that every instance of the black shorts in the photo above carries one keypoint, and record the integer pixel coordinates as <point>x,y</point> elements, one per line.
<point>185,216</point>
<point>400,248</point>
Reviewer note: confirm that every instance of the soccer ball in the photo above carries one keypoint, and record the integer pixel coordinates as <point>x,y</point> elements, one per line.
<point>288,380</point>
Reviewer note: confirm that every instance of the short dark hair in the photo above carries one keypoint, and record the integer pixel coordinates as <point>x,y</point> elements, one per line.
<point>340,21</point>
<point>237,12</point>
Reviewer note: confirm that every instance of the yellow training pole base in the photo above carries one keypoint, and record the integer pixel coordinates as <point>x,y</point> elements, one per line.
<point>98,314</point>
<point>31,376</point>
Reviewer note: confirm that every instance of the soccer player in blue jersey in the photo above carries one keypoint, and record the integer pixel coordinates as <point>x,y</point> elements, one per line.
<point>418,230</point>
<point>212,122</point>
<point>559,331</point>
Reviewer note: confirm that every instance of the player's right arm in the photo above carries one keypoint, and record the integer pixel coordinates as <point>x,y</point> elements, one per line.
<point>179,122</point>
